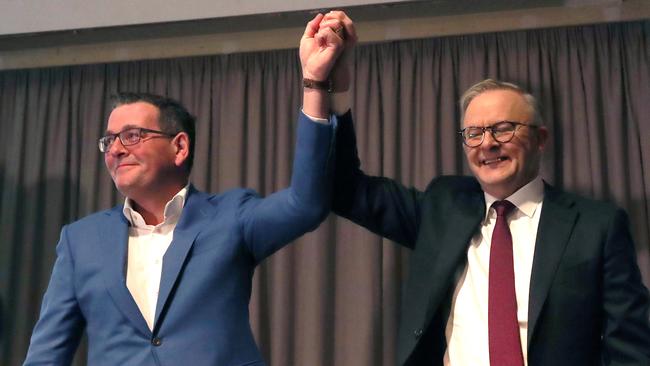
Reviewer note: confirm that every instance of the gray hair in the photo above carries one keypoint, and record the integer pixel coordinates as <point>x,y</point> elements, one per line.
<point>492,84</point>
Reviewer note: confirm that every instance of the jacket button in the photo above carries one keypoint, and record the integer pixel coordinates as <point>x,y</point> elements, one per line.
<point>156,341</point>
<point>417,333</point>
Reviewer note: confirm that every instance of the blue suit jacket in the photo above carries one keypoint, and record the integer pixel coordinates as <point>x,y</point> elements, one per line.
<point>202,311</point>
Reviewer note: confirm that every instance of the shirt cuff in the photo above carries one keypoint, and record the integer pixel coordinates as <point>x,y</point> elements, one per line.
<point>324,121</point>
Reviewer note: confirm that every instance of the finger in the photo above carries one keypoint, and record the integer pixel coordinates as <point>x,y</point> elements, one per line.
<point>332,34</point>
<point>348,25</point>
<point>330,23</point>
<point>339,31</point>
<point>312,26</point>
<point>335,25</point>
<point>321,39</point>
<point>345,21</point>
<point>335,14</point>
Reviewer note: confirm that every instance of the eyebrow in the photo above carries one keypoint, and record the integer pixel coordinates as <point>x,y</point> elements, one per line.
<point>497,122</point>
<point>125,127</point>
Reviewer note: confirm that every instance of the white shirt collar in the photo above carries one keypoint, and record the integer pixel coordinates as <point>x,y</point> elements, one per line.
<point>526,198</point>
<point>173,209</point>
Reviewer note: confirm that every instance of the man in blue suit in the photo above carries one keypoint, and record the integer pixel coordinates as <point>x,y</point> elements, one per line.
<point>165,279</point>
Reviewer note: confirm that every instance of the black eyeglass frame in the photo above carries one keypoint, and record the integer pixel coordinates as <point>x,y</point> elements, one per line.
<point>106,146</point>
<point>493,130</point>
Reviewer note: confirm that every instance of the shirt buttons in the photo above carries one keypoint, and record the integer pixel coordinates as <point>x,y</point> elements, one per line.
<point>417,333</point>
<point>156,341</point>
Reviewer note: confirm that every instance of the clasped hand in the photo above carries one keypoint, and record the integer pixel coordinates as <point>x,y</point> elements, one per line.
<point>326,38</point>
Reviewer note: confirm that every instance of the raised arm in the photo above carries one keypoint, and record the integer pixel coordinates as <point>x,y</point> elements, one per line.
<point>379,204</point>
<point>382,205</point>
<point>270,223</point>
<point>320,48</point>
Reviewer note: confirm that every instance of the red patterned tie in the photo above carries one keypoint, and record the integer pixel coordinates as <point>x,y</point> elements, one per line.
<point>503,328</point>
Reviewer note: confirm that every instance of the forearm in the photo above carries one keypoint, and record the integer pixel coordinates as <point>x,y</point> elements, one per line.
<point>313,163</point>
<point>316,103</point>
<point>272,222</point>
<point>379,204</point>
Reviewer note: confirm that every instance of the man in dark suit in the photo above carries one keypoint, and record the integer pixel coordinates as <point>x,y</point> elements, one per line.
<point>554,281</point>
<point>165,279</point>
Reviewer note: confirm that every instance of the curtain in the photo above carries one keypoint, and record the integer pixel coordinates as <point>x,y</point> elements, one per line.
<point>333,296</point>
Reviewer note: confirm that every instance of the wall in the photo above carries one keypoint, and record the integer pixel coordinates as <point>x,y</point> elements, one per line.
<point>375,23</point>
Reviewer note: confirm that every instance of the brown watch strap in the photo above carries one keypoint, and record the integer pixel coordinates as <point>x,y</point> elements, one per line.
<point>316,84</point>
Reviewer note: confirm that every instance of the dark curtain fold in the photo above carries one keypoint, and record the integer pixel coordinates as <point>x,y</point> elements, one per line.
<point>331,298</point>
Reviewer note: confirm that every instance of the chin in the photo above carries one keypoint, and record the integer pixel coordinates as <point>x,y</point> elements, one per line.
<point>123,186</point>
<point>496,185</point>
<point>495,178</point>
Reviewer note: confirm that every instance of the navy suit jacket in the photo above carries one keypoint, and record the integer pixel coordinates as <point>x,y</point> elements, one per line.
<point>587,304</point>
<point>202,311</point>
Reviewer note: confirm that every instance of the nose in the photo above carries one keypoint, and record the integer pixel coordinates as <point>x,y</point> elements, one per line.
<point>489,142</point>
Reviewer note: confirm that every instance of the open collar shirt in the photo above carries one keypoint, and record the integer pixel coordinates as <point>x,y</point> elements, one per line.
<point>146,248</point>
<point>467,326</point>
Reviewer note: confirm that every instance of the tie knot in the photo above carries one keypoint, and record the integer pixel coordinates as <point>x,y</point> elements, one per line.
<point>503,208</point>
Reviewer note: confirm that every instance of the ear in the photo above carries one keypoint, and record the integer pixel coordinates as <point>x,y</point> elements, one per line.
<point>181,145</point>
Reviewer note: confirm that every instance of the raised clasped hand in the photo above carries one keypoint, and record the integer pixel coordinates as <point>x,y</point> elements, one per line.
<point>320,47</point>
<point>340,75</point>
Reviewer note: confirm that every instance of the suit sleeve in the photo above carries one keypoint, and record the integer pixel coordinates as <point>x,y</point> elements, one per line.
<point>379,204</point>
<point>58,330</point>
<point>626,326</point>
<point>272,222</point>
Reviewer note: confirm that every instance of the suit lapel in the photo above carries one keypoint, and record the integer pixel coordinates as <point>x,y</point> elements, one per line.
<point>195,216</point>
<point>442,242</point>
<point>457,228</point>
<point>461,224</point>
<point>113,239</point>
<point>555,226</point>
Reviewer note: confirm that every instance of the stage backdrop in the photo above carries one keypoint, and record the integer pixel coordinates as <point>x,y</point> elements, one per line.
<point>331,298</point>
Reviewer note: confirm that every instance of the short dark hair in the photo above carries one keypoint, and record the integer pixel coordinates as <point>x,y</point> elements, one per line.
<point>174,117</point>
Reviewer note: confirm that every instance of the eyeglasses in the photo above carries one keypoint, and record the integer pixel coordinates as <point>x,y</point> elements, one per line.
<point>128,137</point>
<point>502,132</point>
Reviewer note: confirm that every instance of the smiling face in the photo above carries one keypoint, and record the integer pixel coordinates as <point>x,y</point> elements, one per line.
<point>151,166</point>
<point>503,168</point>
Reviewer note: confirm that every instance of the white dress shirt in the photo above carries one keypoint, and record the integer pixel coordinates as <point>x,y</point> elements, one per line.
<point>147,246</point>
<point>467,326</point>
